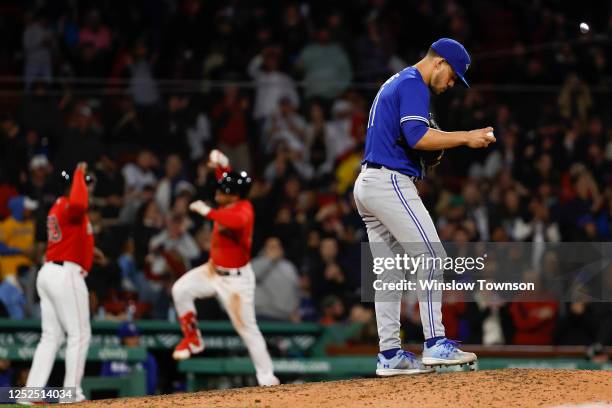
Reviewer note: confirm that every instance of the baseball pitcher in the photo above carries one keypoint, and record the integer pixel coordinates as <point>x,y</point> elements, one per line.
<point>228,274</point>
<point>400,144</point>
<point>64,300</point>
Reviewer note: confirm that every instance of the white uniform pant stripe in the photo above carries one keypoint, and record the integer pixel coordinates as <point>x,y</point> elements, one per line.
<point>426,240</point>
<point>391,230</point>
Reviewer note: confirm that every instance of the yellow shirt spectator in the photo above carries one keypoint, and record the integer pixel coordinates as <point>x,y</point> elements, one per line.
<point>17,236</point>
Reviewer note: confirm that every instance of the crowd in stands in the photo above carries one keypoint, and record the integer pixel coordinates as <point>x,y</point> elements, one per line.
<point>142,91</point>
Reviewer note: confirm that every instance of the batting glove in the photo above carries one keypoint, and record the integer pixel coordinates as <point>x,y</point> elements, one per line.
<point>200,207</point>
<point>217,158</point>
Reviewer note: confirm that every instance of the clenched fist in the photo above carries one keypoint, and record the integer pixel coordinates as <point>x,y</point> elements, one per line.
<point>200,207</point>
<point>480,138</point>
<point>216,158</point>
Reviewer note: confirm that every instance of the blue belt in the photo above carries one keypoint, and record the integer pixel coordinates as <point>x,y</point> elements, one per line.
<point>370,165</point>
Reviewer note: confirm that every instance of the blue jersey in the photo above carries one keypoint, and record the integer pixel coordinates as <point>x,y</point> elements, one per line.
<point>400,110</point>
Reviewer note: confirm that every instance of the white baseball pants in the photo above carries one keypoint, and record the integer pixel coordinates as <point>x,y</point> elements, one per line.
<point>236,293</point>
<point>397,222</point>
<point>64,306</point>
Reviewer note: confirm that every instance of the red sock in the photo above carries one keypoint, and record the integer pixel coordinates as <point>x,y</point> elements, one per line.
<point>189,324</point>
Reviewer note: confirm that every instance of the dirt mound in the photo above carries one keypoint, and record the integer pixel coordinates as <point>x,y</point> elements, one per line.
<point>496,388</point>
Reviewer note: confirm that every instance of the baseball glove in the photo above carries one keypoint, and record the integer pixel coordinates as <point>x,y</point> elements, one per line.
<point>431,158</point>
<point>426,158</point>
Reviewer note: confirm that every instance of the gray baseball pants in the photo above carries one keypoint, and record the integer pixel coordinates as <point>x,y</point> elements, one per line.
<point>397,222</point>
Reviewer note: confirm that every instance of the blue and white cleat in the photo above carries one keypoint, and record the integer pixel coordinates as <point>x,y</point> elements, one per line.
<point>403,363</point>
<point>446,353</point>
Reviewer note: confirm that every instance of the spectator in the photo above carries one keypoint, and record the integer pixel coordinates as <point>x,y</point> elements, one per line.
<point>285,125</point>
<point>339,32</point>
<point>172,250</point>
<point>326,275</point>
<point>534,320</point>
<point>143,87</point>
<point>125,130</point>
<point>579,213</point>
<point>13,153</point>
<point>332,310</point>
<point>12,298</point>
<point>272,84</point>
<point>164,196</point>
<point>230,118</point>
<point>577,325</point>
<point>109,187</point>
<point>40,112</point>
<point>95,33</point>
<point>105,276</point>
<point>17,234</point>
<point>171,253</point>
<point>183,193</point>
<point>7,191</point>
<point>140,174</point>
<point>38,43</point>
<point>81,142</point>
<point>173,138</point>
<point>326,67</point>
<point>42,189</point>
<point>198,136</point>
<point>140,184</point>
<point>574,98</point>
<point>373,53</point>
<point>477,210</point>
<point>276,292</point>
<point>295,31</point>
<point>149,223</point>
<point>129,336</point>
<point>338,141</point>
<point>307,308</point>
<point>316,141</point>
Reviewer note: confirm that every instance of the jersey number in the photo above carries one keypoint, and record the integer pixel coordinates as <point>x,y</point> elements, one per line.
<point>375,103</point>
<point>54,233</point>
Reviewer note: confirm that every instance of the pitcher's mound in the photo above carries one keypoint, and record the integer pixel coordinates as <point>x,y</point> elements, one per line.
<point>497,388</point>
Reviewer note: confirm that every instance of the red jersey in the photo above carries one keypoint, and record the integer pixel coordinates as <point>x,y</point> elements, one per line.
<point>232,235</point>
<point>69,232</point>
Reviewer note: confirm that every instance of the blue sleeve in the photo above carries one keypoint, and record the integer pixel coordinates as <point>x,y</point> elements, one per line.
<point>413,131</point>
<point>413,101</point>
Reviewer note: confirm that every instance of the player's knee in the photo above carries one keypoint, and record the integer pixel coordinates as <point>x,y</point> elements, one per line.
<point>85,337</point>
<point>55,338</point>
<point>79,335</point>
<point>246,326</point>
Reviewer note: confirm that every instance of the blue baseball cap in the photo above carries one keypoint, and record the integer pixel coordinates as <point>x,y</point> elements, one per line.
<point>455,54</point>
<point>127,329</point>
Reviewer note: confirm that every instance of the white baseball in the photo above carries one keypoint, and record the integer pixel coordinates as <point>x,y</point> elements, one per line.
<point>584,28</point>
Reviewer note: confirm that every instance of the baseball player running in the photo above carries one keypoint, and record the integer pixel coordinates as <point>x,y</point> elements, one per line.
<point>64,300</point>
<point>400,144</point>
<point>228,274</point>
